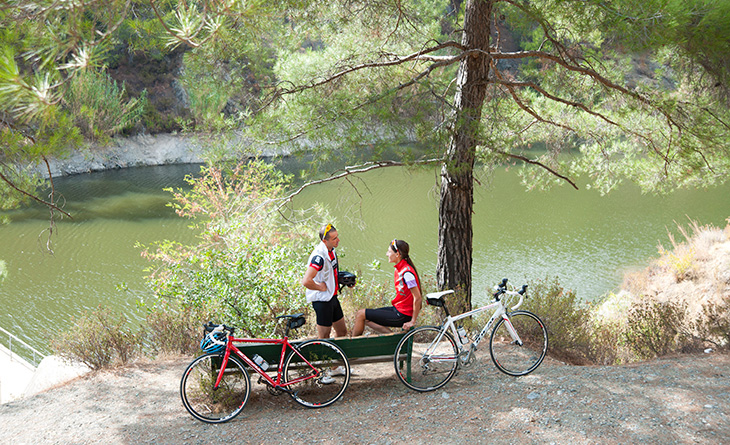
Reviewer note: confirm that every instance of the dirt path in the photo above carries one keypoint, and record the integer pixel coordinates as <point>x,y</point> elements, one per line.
<point>684,399</point>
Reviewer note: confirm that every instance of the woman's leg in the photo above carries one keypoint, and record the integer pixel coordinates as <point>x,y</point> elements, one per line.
<point>378,320</point>
<point>359,326</point>
<point>377,328</point>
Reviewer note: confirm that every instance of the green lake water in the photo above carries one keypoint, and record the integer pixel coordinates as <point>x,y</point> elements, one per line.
<point>587,240</point>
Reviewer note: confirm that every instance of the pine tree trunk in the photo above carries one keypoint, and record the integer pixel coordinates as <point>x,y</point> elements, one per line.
<point>453,269</point>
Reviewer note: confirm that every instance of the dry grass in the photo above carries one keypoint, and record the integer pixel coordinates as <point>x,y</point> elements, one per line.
<point>681,301</point>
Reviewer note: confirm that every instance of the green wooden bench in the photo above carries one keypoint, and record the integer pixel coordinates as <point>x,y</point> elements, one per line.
<point>359,350</point>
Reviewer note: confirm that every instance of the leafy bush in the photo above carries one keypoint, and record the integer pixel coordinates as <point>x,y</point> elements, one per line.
<point>172,329</point>
<point>566,319</point>
<point>713,328</point>
<point>653,327</point>
<point>98,339</point>
<point>607,343</point>
<point>249,261</point>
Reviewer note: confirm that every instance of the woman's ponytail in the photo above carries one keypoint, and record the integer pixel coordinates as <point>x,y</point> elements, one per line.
<point>404,250</point>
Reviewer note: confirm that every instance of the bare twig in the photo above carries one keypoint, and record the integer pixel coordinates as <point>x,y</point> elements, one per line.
<point>353,170</point>
<point>33,197</point>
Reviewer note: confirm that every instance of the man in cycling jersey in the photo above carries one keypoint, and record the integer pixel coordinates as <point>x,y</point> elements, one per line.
<point>320,281</point>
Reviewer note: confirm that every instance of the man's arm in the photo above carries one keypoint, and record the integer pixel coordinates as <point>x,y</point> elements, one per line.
<point>309,283</point>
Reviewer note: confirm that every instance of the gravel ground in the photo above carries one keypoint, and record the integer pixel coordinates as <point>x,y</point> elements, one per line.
<point>681,399</point>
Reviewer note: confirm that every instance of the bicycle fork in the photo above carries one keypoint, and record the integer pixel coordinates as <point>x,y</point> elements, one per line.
<point>511,329</point>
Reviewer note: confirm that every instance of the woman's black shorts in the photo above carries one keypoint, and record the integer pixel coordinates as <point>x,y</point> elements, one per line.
<point>387,316</point>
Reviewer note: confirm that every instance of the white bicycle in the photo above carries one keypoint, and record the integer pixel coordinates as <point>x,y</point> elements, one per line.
<point>428,357</point>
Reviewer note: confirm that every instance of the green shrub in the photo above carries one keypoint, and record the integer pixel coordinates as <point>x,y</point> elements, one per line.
<point>249,261</point>
<point>98,339</point>
<point>566,319</point>
<point>606,343</point>
<point>653,328</point>
<point>99,105</point>
<point>170,328</point>
<point>713,328</point>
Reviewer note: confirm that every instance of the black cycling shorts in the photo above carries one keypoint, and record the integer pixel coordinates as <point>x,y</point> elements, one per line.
<point>387,316</point>
<point>327,311</point>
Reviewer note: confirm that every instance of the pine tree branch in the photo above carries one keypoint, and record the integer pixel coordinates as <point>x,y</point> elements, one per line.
<point>394,60</point>
<point>539,164</point>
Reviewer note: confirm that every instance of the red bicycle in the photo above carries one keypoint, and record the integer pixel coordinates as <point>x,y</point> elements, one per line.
<point>215,386</point>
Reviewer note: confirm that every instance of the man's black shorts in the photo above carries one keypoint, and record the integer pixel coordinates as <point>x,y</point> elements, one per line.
<point>387,316</point>
<point>327,311</point>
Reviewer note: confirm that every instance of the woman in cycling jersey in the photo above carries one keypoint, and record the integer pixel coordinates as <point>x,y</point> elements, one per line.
<point>407,302</point>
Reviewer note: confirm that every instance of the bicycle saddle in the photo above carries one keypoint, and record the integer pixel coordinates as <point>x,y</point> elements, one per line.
<point>437,298</point>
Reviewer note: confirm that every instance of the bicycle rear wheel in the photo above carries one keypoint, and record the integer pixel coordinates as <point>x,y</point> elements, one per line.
<point>519,358</point>
<point>425,360</point>
<point>319,376</point>
<point>209,404</point>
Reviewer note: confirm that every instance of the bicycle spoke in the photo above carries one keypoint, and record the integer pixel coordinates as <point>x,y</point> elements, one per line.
<point>424,364</point>
<point>210,404</point>
<point>521,357</point>
<point>319,377</point>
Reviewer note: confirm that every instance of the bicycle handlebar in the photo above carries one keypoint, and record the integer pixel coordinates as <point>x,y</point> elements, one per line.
<point>211,327</point>
<point>501,289</point>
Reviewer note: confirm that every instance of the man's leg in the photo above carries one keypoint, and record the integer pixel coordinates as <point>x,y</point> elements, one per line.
<point>324,331</point>
<point>340,327</point>
<point>324,318</point>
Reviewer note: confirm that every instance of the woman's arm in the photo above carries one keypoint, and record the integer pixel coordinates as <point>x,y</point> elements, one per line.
<point>417,300</point>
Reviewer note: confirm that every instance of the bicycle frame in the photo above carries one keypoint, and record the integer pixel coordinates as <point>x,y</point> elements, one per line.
<point>231,348</point>
<point>429,356</point>
<point>500,310</point>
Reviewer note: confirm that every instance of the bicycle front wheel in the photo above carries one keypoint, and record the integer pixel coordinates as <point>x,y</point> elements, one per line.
<point>317,373</point>
<point>425,359</point>
<point>210,404</point>
<point>520,351</point>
